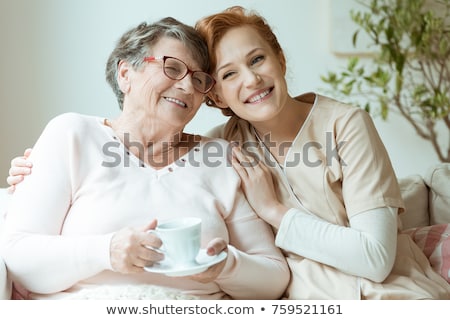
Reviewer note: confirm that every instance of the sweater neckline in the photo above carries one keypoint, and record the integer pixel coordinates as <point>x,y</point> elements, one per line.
<point>179,163</point>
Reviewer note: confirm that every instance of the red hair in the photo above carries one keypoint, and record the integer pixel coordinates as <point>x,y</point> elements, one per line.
<point>212,28</point>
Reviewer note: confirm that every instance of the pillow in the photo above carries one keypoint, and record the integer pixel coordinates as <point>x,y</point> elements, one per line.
<point>435,243</point>
<point>415,196</point>
<point>438,180</point>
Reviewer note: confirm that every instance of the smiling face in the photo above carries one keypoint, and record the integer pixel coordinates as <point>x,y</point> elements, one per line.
<point>149,91</point>
<point>249,75</point>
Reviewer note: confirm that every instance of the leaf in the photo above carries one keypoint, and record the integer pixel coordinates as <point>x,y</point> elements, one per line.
<point>384,108</point>
<point>355,38</point>
<point>352,62</point>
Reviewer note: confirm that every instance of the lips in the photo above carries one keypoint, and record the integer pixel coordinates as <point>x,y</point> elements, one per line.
<point>259,96</point>
<point>176,101</point>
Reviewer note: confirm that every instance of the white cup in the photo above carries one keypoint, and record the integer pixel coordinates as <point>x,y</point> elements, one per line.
<point>181,239</point>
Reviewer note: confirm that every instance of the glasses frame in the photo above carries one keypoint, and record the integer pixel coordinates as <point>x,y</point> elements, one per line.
<point>188,71</point>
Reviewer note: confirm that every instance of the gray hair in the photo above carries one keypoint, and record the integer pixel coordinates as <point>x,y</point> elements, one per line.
<point>135,45</point>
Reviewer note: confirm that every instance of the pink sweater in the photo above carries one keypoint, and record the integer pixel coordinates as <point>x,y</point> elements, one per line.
<point>85,187</point>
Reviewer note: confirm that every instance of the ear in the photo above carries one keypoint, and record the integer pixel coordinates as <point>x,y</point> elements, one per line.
<point>282,61</point>
<point>123,76</point>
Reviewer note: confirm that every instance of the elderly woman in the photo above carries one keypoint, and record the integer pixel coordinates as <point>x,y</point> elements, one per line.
<point>81,220</point>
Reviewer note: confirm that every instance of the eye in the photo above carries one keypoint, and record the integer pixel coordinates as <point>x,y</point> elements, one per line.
<point>257,59</point>
<point>198,80</point>
<point>228,74</point>
<point>173,69</point>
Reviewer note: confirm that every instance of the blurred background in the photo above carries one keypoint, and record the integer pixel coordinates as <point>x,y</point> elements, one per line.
<point>53,54</point>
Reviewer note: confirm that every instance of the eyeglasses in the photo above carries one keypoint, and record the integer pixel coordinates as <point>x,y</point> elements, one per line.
<point>176,69</point>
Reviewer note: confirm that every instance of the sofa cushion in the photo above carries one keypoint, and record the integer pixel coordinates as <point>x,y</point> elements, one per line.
<point>5,283</point>
<point>434,241</point>
<point>438,180</point>
<point>415,195</point>
<point>4,198</point>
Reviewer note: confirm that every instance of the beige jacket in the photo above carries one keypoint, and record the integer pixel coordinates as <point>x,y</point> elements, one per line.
<point>338,167</point>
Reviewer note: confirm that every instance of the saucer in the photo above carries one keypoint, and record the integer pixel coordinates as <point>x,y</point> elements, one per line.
<point>202,262</point>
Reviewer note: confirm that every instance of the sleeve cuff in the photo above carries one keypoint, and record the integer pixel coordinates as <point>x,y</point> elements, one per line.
<point>283,230</point>
<point>98,252</point>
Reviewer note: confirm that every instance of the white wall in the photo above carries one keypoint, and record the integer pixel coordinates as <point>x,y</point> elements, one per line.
<point>53,54</point>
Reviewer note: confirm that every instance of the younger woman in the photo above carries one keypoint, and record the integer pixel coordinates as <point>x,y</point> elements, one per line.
<point>316,170</point>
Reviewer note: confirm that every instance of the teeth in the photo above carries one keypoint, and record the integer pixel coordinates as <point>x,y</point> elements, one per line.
<point>181,103</point>
<point>259,96</point>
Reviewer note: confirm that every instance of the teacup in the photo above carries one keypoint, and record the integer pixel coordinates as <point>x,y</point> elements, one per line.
<point>181,238</point>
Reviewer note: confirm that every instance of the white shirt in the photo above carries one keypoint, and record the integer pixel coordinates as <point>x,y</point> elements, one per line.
<point>85,187</point>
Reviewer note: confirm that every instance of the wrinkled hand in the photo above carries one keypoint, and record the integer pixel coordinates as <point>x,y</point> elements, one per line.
<point>258,186</point>
<point>130,249</point>
<point>20,167</point>
<point>214,247</point>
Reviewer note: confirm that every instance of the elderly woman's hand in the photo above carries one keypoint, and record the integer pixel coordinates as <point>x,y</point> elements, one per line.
<point>130,249</point>
<point>214,247</point>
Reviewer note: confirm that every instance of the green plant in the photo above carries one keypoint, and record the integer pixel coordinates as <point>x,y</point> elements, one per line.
<point>409,71</point>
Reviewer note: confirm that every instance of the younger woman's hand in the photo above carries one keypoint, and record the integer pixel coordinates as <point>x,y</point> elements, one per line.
<point>20,167</point>
<point>214,247</point>
<point>258,186</point>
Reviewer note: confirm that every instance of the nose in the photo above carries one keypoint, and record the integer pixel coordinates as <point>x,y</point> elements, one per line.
<point>251,78</point>
<point>186,84</point>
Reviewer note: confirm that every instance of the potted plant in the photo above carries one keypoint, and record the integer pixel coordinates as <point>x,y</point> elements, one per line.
<point>409,70</point>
